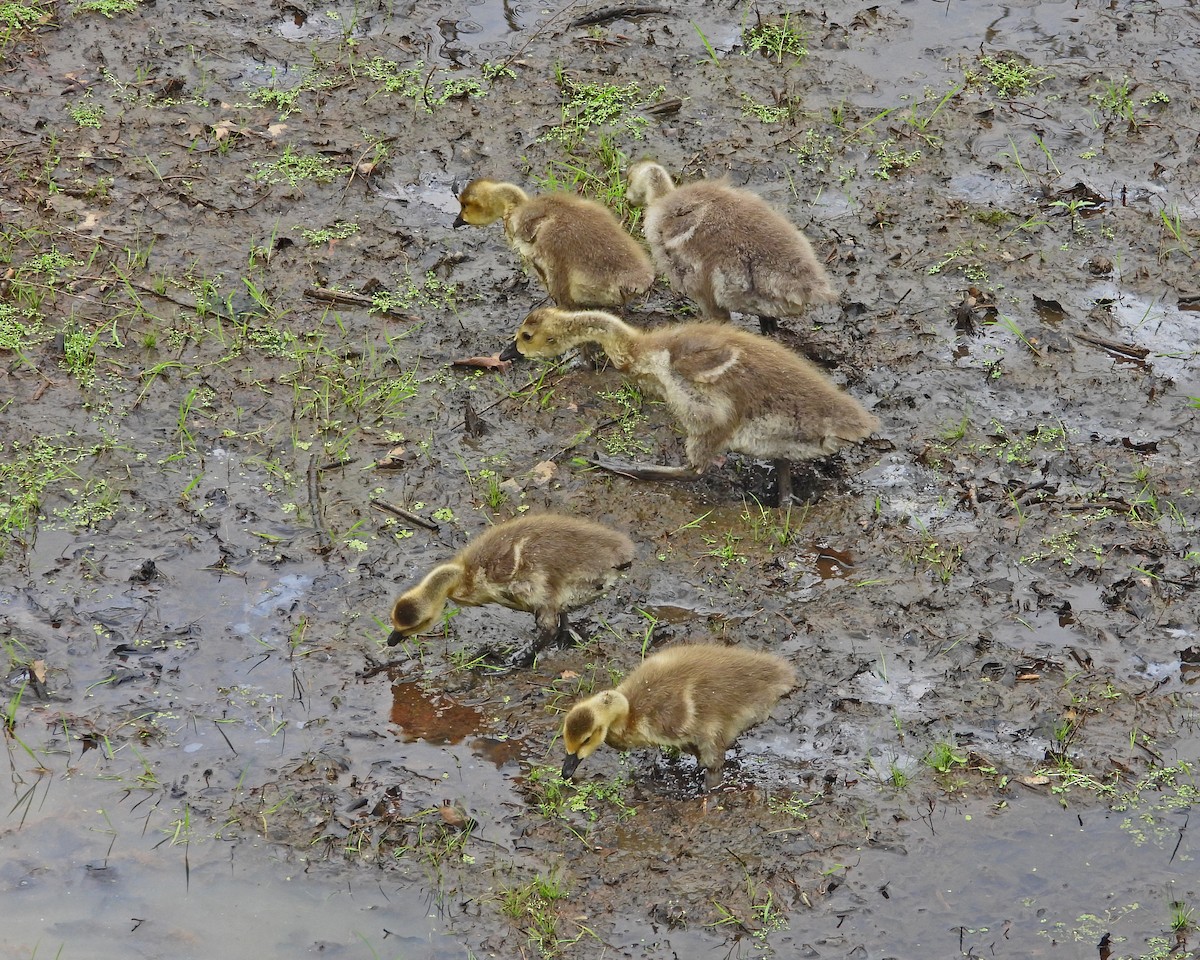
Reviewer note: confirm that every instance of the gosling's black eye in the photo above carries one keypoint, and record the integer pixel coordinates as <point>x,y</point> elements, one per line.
<point>526,335</point>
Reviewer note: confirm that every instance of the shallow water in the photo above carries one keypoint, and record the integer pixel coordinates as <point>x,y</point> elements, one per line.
<point>1008,568</point>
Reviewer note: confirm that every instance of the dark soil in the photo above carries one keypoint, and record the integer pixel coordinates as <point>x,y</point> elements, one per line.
<point>992,603</point>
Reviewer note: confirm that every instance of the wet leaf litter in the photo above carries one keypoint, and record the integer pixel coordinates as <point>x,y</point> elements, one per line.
<point>1011,638</point>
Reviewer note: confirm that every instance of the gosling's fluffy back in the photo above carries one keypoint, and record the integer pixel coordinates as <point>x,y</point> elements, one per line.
<point>773,402</point>
<point>579,250</point>
<point>729,388</point>
<point>726,248</point>
<point>545,564</point>
<point>697,697</point>
<point>541,561</point>
<point>702,694</point>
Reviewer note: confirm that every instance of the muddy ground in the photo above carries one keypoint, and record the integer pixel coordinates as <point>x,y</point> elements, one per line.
<point>992,602</point>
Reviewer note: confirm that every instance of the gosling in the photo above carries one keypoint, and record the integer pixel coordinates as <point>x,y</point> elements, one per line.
<point>728,388</point>
<point>577,248</point>
<point>697,698</point>
<point>544,564</point>
<point>727,249</point>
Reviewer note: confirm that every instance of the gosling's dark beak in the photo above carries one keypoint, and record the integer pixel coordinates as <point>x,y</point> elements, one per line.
<point>459,222</point>
<point>394,638</point>
<point>570,765</point>
<point>511,352</point>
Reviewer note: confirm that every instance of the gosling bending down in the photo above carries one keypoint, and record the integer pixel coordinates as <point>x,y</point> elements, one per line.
<point>544,564</point>
<point>694,697</point>
<point>730,389</point>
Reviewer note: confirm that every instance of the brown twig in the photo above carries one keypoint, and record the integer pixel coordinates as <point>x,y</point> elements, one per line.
<point>609,14</point>
<point>1115,346</point>
<point>404,514</point>
<point>356,300</point>
<point>324,543</point>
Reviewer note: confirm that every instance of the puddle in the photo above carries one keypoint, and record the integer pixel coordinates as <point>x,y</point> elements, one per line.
<point>435,718</point>
<point>1030,888</point>
<point>84,878</point>
<point>1003,578</point>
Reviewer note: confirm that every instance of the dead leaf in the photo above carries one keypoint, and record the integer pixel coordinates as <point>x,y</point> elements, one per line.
<point>484,363</point>
<point>543,473</point>
<point>475,426</point>
<point>61,203</point>
<point>223,129</point>
<point>568,675</point>
<point>38,669</point>
<point>275,129</point>
<point>1038,780</point>
<point>392,460</point>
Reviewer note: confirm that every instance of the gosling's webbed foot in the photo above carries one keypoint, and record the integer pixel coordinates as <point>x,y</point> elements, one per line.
<point>566,635</point>
<point>653,472</point>
<point>768,325</point>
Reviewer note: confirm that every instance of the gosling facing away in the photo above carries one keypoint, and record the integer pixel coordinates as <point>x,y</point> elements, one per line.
<point>695,697</point>
<point>544,564</point>
<point>577,248</point>
<point>727,249</point>
<point>728,388</point>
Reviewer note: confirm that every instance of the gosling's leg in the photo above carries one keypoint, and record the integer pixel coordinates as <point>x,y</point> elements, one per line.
<point>565,634</point>
<point>654,472</point>
<point>783,482</point>
<point>552,628</point>
<point>714,777</point>
<point>768,325</point>
<point>711,756</point>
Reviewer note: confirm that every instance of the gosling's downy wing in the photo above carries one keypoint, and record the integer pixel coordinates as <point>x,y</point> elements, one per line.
<point>528,220</point>
<point>580,251</point>
<point>497,569</point>
<point>703,360</point>
<point>538,563</point>
<point>565,222</point>
<point>662,710</point>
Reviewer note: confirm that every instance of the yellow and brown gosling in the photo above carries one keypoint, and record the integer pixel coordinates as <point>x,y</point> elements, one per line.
<point>545,564</point>
<point>577,248</point>
<point>727,249</point>
<point>697,698</point>
<point>728,388</point>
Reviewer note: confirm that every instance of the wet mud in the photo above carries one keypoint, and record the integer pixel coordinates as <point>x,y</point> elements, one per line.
<point>211,414</point>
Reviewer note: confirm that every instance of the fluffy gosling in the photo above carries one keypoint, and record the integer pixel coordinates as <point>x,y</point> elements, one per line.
<point>697,698</point>
<point>727,249</point>
<point>577,248</point>
<point>728,388</point>
<point>545,564</point>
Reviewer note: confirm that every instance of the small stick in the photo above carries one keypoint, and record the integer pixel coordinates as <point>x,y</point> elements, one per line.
<point>601,425</point>
<point>509,396</point>
<point>338,296</point>
<point>355,300</point>
<point>614,13</point>
<point>1125,349</point>
<point>324,544</point>
<point>404,514</point>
